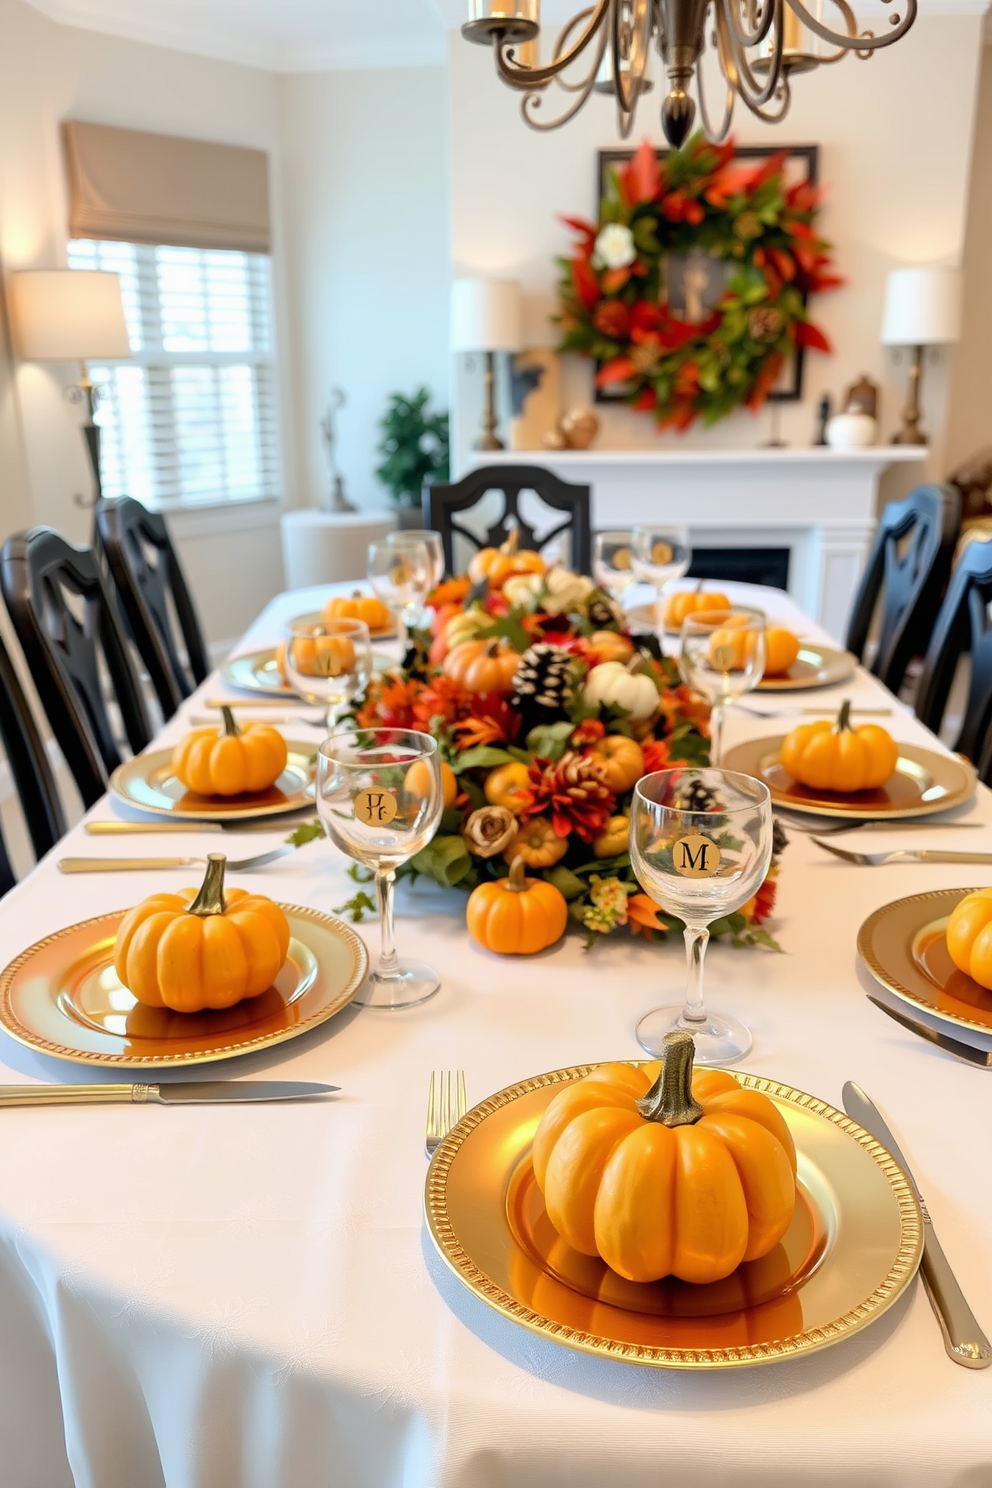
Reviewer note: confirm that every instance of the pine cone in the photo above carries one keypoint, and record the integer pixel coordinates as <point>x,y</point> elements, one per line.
<point>693,795</point>
<point>540,686</point>
<point>572,793</point>
<point>779,840</point>
<point>603,613</point>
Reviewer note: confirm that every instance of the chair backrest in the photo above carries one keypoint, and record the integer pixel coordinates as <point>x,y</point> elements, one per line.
<point>152,587</point>
<point>962,625</point>
<point>911,582</point>
<point>443,501</point>
<point>28,761</point>
<point>45,581</point>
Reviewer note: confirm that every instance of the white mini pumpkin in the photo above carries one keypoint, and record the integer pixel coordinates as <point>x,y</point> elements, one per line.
<point>611,683</point>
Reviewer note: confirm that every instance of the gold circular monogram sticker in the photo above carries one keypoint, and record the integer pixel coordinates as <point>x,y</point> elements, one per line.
<point>376,808</point>
<point>696,856</point>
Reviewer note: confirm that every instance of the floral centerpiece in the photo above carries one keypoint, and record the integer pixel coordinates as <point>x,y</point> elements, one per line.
<point>547,712</point>
<point>733,224</point>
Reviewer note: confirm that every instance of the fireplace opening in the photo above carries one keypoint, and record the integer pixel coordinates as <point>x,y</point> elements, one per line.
<point>769,566</point>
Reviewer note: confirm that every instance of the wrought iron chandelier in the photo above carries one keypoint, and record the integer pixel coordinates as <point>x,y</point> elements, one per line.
<point>607,48</point>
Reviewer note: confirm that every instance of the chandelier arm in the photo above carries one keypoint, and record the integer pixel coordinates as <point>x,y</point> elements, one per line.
<point>531,78</point>
<point>532,101</point>
<point>628,82</point>
<point>717,136</point>
<point>744,37</point>
<point>560,46</point>
<point>852,41</point>
<point>754,94</point>
<point>769,116</point>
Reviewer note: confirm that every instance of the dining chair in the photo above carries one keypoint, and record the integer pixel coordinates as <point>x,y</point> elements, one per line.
<point>444,501</point>
<point>906,572</point>
<point>155,596</point>
<point>67,625</point>
<point>962,625</point>
<point>28,762</point>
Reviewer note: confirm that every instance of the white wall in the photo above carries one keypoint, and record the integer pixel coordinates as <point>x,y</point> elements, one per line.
<point>894,160</point>
<point>366,205</point>
<point>970,424</point>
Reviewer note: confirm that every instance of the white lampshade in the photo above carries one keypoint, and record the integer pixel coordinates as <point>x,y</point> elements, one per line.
<point>922,307</point>
<point>68,315</point>
<point>486,315</point>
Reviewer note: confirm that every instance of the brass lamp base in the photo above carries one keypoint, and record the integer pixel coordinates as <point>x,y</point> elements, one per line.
<point>911,433</point>
<point>489,439</point>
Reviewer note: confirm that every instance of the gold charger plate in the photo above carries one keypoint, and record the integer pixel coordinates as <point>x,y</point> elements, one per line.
<point>147,782</point>
<point>63,997</point>
<point>258,671</point>
<point>853,1247</point>
<point>815,666</point>
<point>925,781</point>
<point>903,945</point>
<point>313,617</point>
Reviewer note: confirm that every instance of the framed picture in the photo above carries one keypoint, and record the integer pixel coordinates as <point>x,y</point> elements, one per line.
<point>697,279</point>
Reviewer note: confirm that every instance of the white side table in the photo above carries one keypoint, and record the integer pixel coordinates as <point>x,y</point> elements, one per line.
<point>320,547</point>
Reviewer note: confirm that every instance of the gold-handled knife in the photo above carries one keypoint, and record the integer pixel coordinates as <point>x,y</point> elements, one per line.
<point>964,1340</point>
<point>176,1093</point>
<point>281,823</point>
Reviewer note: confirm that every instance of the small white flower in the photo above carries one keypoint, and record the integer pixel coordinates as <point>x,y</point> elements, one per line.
<point>428,443</point>
<point>615,246</point>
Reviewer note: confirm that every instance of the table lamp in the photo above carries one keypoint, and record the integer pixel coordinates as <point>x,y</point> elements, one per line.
<point>487,316</point>
<point>922,308</point>
<point>70,315</point>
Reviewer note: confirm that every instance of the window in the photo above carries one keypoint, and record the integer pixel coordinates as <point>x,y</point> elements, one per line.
<point>191,419</point>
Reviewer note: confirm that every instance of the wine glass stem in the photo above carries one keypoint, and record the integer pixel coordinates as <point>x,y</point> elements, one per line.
<point>388,960</point>
<point>716,734</point>
<point>696,941</point>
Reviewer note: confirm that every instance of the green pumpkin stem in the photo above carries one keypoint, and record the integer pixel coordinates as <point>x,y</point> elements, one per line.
<point>231,729</point>
<point>670,1100</point>
<point>843,723</point>
<point>518,875</point>
<point>210,899</point>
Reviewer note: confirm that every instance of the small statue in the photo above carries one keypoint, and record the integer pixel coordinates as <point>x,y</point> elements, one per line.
<point>337,501</point>
<point>823,419</point>
<point>862,397</point>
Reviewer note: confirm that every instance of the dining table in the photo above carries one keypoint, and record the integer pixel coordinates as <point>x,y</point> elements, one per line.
<point>248,1296</point>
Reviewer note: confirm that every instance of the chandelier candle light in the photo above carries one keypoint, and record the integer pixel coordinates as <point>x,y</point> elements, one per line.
<point>760,44</point>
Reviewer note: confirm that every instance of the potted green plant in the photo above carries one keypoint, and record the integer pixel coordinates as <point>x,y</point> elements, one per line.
<point>414,449</point>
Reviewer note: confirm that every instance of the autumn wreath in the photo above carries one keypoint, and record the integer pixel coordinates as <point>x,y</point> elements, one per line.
<point>698,206</point>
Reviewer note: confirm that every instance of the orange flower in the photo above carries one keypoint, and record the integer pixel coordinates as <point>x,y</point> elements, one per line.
<point>760,907</point>
<point>656,756</point>
<point>587,732</point>
<point>391,704</point>
<point>642,916</point>
<point>472,731</point>
<point>451,591</point>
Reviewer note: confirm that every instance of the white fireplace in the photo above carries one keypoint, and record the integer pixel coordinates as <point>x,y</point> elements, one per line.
<point>818,503</point>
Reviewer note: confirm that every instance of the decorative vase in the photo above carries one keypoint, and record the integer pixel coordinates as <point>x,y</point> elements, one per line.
<point>849,431</point>
<point>580,427</point>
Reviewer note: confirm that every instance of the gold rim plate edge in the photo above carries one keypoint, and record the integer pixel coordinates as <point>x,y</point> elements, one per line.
<point>246,672</point>
<point>902,1269</point>
<point>141,766</point>
<point>836,667</point>
<point>329,923</point>
<point>750,758</point>
<point>942,902</point>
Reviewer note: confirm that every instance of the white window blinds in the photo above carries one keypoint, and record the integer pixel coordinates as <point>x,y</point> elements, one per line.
<point>191,419</point>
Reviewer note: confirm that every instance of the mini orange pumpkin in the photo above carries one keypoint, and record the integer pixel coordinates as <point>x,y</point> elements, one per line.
<point>619,762</point>
<point>359,606</point>
<point>686,1178</point>
<point>498,564</point>
<point>516,916</point>
<point>417,781</point>
<point>969,936</point>
<point>482,666</point>
<point>194,950</point>
<point>609,645</point>
<point>506,785</point>
<point>838,757</point>
<point>229,761</point>
<point>614,838</point>
<point>781,650</point>
<point>319,655</point>
<point>688,601</point>
<point>537,843</point>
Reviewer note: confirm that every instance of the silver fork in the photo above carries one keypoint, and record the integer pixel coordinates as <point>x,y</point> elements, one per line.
<point>905,855</point>
<point>135,865</point>
<point>820,826</point>
<point>446,1105</point>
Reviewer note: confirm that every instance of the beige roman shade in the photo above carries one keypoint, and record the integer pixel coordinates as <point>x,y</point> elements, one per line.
<point>133,187</point>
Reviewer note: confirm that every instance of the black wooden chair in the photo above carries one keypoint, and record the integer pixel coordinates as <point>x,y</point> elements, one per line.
<point>443,502</point>
<point>909,583</point>
<point>962,625</point>
<point>65,619</point>
<point>29,766</point>
<point>155,597</point>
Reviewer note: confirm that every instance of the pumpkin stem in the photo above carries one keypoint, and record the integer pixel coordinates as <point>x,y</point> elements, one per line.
<point>492,648</point>
<point>512,542</point>
<point>670,1100</point>
<point>210,899</point>
<point>231,729</point>
<point>634,663</point>
<point>518,875</point>
<point>843,717</point>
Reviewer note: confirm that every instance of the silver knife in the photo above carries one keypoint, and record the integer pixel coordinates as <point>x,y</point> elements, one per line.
<point>942,1040</point>
<point>285,822</point>
<point>964,1340</point>
<point>176,1093</point>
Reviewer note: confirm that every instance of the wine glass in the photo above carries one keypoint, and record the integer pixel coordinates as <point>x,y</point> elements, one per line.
<point>611,562</point>
<point>659,554</point>
<point>379,795</point>
<point>434,543</point>
<point>328,663</point>
<point>722,656</point>
<point>700,844</point>
<point>402,576</point>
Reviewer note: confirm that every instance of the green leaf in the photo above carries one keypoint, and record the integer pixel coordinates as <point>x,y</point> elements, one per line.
<point>506,628</point>
<point>446,860</point>
<point>481,757</point>
<point>451,820</point>
<point>550,740</point>
<point>565,882</point>
<point>356,908</point>
<point>305,832</point>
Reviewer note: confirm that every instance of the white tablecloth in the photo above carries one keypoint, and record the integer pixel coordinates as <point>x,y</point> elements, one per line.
<point>246,1297</point>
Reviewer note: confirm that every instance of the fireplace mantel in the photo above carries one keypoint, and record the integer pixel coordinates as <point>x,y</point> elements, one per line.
<point>819,503</point>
